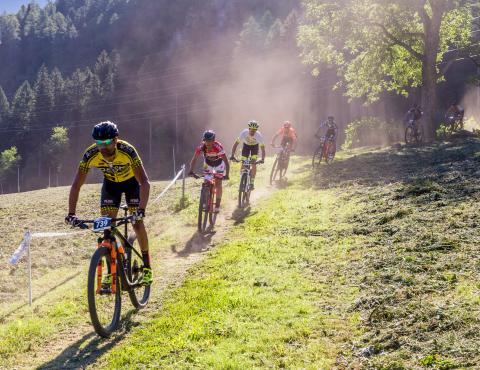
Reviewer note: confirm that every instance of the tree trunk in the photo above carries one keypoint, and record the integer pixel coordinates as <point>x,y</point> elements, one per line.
<point>429,99</point>
<point>431,27</point>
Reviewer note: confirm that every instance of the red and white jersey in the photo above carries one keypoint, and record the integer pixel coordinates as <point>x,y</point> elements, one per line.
<point>213,155</point>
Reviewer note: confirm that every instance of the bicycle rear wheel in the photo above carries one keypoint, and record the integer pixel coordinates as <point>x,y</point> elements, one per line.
<point>274,172</point>
<point>139,294</point>
<point>203,209</point>
<point>103,304</point>
<point>243,192</point>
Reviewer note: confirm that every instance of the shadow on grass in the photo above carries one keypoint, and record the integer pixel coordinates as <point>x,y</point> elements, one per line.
<point>8,314</point>
<point>240,214</point>
<point>446,163</point>
<point>90,347</point>
<point>196,244</point>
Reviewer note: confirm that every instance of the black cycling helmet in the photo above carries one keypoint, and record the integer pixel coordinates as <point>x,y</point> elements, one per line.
<point>105,130</point>
<point>209,135</point>
<point>330,118</point>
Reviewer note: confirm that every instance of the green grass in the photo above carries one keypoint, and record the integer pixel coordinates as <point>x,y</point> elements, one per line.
<point>269,296</point>
<point>371,264</point>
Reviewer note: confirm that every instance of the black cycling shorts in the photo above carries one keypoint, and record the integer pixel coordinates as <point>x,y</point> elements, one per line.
<point>286,140</point>
<point>250,151</point>
<point>112,194</point>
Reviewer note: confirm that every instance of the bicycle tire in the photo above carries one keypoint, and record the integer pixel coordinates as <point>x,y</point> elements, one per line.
<point>133,268</point>
<point>202,212</point>
<point>242,191</point>
<point>273,173</point>
<point>317,157</point>
<point>419,135</point>
<point>328,158</point>
<point>103,330</point>
<point>409,135</point>
<point>212,216</point>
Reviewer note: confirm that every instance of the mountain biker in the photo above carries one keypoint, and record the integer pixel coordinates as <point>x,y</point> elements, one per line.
<point>414,114</point>
<point>330,133</point>
<point>456,111</point>
<point>288,134</point>
<point>215,162</point>
<point>123,173</point>
<point>252,139</point>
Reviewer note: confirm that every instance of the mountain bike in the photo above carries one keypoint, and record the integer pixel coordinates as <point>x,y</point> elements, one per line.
<point>206,206</point>
<point>280,165</point>
<point>454,122</point>
<point>244,188</point>
<point>324,151</point>
<point>413,132</point>
<point>116,266</point>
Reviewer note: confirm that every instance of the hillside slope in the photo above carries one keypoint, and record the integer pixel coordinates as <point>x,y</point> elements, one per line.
<point>373,265</point>
<point>370,264</point>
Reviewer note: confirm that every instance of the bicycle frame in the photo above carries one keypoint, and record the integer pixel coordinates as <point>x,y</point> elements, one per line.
<point>116,252</point>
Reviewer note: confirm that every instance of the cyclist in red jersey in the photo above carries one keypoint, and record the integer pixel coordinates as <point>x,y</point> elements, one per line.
<point>215,164</point>
<point>288,134</point>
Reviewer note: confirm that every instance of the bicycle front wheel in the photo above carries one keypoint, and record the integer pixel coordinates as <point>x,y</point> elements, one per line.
<point>103,303</point>
<point>139,294</point>
<point>317,158</point>
<point>203,209</point>
<point>212,216</point>
<point>409,135</point>
<point>419,134</point>
<point>243,192</point>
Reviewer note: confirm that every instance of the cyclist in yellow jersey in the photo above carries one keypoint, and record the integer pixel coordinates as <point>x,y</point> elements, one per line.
<point>123,173</point>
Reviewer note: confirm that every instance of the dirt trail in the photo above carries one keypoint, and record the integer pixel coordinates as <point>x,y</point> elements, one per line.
<point>79,347</point>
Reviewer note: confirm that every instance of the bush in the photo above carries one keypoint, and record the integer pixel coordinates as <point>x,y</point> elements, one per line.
<point>372,131</point>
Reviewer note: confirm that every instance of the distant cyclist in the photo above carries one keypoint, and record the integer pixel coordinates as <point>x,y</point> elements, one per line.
<point>216,162</point>
<point>455,113</point>
<point>252,139</point>
<point>330,129</point>
<point>288,135</point>
<point>414,114</point>
<point>123,173</point>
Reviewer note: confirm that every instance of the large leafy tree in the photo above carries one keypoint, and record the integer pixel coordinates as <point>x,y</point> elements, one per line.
<point>386,45</point>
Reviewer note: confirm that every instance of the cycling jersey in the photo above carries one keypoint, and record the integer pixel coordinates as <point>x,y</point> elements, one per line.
<point>287,132</point>
<point>247,139</point>
<point>213,156</point>
<point>125,160</point>
<point>331,132</point>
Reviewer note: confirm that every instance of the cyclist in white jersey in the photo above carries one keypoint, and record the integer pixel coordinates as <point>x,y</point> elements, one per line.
<point>252,140</point>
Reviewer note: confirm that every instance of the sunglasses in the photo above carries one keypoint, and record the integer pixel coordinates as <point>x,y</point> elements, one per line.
<point>104,142</point>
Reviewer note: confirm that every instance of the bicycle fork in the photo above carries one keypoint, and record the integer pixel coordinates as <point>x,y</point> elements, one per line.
<point>112,268</point>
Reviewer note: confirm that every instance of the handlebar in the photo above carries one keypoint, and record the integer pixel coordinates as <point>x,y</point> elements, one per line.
<point>245,161</point>
<point>82,224</point>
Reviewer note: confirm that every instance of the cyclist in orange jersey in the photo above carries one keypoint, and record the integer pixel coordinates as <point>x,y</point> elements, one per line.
<point>288,134</point>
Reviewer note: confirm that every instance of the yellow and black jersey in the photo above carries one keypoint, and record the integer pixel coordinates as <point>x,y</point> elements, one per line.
<point>126,159</point>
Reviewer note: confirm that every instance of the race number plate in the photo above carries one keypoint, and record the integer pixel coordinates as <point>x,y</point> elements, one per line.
<point>102,223</point>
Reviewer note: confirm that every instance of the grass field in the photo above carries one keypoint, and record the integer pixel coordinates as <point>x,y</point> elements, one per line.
<point>371,264</point>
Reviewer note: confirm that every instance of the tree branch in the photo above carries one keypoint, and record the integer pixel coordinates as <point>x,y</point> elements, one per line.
<point>403,44</point>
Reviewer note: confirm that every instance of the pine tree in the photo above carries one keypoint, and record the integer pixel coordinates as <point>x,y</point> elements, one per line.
<point>252,37</point>
<point>105,71</point>
<point>23,107</point>
<point>4,109</point>
<point>275,36</point>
